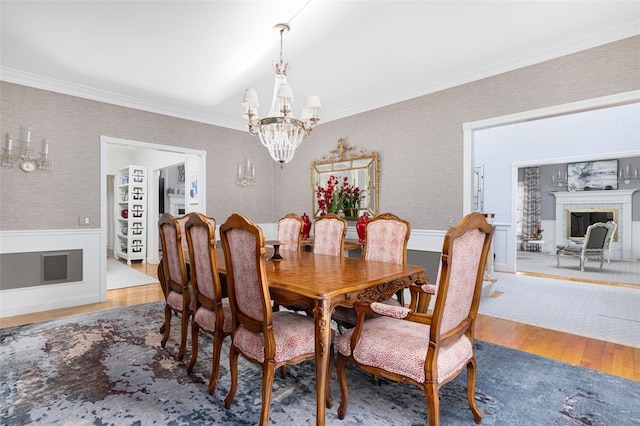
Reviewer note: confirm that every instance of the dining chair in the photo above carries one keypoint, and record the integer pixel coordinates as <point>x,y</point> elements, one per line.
<point>290,231</point>
<point>406,345</point>
<point>387,238</point>
<point>290,238</point>
<point>593,246</point>
<point>270,339</point>
<point>212,312</point>
<point>178,293</point>
<point>329,232</point>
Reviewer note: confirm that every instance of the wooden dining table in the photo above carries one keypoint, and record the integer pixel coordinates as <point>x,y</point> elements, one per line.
<point>323,282</point>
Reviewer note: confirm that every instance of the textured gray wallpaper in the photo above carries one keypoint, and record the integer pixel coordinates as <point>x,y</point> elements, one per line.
<point>419,141</point>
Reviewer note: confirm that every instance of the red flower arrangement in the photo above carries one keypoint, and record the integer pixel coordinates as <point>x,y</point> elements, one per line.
<point>338,195</point>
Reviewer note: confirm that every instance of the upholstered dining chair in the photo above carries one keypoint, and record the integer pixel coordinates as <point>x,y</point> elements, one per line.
<point>290,238</point>
<point>212,313</point>
<point>290,231</point>
<point>178,292</point>
<point>593,246</point>
<point>403,344</point>
<point>328,235</point>
<point>387,238</point>
<point>270,339</point>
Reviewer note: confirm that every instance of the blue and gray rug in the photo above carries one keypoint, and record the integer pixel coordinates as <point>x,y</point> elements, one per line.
<point>108,368</point>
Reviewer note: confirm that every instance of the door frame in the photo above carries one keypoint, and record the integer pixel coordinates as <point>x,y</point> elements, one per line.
<point>195,162</point>
<point>506,237</point>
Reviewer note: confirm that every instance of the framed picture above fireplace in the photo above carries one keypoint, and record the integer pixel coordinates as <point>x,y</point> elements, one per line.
<point>590,175</point>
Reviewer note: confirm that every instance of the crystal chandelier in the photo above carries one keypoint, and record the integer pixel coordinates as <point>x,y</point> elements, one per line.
<point>280,132</point>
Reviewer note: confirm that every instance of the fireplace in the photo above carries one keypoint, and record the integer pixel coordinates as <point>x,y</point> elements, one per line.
<point>578,220</point>
<point>617,202</point>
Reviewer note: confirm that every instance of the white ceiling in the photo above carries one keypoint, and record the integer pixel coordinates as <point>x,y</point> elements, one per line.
<point>194,59</point>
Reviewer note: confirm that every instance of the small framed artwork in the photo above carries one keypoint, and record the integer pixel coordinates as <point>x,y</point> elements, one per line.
<point>193,188</point>
<point>590,175</point>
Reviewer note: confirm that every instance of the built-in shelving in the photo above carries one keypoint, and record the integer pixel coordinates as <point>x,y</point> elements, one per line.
<point>131,214</point>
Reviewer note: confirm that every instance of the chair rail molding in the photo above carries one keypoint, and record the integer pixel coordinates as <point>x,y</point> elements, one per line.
<point>615,199</point>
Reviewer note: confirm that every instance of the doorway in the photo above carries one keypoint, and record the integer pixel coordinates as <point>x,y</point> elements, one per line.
<point>520,152</point>
<point>117,153</point>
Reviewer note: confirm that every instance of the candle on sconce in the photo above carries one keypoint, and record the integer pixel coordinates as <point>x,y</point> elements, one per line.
<point>239,171</point>
<point>253,171</point>
<point>29,135</point>
<point>9,143</point>
<point>46,147</point>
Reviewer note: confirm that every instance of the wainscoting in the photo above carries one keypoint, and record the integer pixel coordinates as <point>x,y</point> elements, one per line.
<point>32,295</point>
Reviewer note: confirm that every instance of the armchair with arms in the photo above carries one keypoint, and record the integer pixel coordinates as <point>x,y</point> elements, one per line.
<point>406,344</point>
<point>593,247</point>
<point>387,238</point>
<point>607,244</point>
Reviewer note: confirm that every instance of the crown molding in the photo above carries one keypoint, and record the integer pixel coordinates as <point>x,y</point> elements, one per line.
<point>565,47</point>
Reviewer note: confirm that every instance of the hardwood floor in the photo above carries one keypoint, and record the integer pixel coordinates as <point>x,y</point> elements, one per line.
<point>611,358</point>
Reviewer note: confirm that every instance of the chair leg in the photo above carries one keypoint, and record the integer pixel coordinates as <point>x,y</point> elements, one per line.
<point>268,375</point>
<point>342,381</point>
<point>215,361</point>
<point>471,390</point>
<point>233,367</point>
<point>194,346</point>
<point>183,334</point>
<point>166,325</point>
<point>433,403</point>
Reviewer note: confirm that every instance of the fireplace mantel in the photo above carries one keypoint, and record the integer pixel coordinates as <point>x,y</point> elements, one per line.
<point>619,199</point>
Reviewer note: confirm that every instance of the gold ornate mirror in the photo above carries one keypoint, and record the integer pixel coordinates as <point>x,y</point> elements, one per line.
<point>345,182</point>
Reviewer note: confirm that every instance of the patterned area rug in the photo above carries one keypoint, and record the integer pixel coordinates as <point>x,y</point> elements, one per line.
<point>109,368</point>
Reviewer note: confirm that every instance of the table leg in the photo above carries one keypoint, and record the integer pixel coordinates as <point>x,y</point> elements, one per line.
<point>323,349</point>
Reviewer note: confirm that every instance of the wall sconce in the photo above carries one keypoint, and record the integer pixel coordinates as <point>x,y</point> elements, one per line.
<point>559,180</point>
<point>25,158</point>
<point>246,174</point>
<point>627,176</point>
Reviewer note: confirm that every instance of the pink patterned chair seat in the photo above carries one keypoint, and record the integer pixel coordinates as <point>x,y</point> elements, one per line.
<point>387,237</point>
<point>174,299</point>
<point>407,344</point>
<point>207,319</point>
<point>402,348</point>
<point>178,291</point>
<point>272,339</point>
<point>294,335</point>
